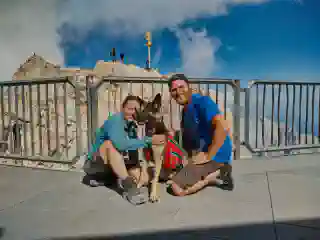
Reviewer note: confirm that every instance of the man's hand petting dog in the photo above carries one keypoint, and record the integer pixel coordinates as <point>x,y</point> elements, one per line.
<point>200,158</point>
<point>158,139</point>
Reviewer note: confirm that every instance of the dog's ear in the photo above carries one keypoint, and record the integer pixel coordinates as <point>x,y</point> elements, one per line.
<point>157,101</point>
<point>141,101</point>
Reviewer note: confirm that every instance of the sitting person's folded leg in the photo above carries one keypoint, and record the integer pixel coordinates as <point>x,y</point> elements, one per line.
<point>193,178</point>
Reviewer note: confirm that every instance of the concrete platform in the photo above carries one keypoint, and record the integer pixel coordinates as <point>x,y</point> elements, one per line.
<point>273,199</point>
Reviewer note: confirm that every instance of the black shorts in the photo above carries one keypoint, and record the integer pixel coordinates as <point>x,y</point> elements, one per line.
<point>97,165</point>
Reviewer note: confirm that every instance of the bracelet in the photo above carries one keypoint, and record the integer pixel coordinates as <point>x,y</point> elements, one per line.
<point>148,140</point>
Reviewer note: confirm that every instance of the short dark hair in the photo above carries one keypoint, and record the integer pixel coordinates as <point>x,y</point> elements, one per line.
<point>130,98</point>
<point>178,76</point>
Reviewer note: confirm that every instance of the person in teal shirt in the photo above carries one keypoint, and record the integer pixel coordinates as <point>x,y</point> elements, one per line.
<point>116,146</point>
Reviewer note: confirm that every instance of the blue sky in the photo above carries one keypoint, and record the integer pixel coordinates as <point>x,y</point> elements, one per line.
<point>277,40</point>
<point>240,39</point>
<point>273,40</point>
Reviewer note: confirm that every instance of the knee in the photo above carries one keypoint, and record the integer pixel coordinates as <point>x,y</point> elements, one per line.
<point>108,147</point>
<point>108,151</point>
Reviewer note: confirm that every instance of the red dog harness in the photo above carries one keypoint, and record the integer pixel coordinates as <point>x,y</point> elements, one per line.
<point>173,154</point>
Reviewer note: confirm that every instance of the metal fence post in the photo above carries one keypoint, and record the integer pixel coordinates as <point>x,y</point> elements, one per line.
<point>94,110</point>
<point>79,139</point>
<point>247,116</point>
<point>89,112</point>
<point>236,123</point>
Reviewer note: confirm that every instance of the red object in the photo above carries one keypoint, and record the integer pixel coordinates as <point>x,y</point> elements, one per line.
<point>147,153</point>
<point>173,154</point>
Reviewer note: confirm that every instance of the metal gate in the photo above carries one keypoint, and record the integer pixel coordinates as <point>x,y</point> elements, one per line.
<point>283,117</point>
<point>107,95</point>
<point>40,120</point>
<point>54,120</point>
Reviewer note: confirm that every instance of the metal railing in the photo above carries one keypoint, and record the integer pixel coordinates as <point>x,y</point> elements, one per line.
<point>55,120</point>
<point>108,94</point>
<point>40,120</point>
<point>284,116</point>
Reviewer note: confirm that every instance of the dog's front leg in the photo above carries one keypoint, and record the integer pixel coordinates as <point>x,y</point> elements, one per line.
<point>143,164</point>
<point>143,167</point>
<point>158,160</point>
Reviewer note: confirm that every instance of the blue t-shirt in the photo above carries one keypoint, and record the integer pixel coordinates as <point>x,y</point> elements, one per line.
<point>198,130</point>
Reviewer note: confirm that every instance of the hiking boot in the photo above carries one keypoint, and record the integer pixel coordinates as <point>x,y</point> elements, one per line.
<point>227,184</point>
<point>131,192</point>
<point>226,177</point>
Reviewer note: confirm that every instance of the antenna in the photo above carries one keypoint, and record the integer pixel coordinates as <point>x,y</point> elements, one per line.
<point>148,44</point>
<point>113,55</point>
<point>122,57</point>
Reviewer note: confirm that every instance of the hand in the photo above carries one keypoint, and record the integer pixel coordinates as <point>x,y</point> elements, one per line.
<point>200,158</point>
<point>143,178</point>
<point>158,139</point>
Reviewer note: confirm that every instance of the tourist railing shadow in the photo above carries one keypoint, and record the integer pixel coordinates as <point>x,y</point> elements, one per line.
<point>306,229</point>
<point>2,230</point>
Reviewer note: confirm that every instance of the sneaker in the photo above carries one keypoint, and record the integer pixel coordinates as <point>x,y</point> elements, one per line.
<point>131,192</point>
<point>91,181</point>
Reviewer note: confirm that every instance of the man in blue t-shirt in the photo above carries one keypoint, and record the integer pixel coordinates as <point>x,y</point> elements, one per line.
<point>205,137</point>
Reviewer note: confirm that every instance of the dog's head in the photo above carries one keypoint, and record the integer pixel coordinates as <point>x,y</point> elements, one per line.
<point>149,109</point>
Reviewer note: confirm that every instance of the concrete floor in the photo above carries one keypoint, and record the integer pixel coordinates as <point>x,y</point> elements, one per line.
<point>273,199</point>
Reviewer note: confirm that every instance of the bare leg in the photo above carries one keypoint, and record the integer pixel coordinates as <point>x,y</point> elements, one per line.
<point>141,177</point>
<point>210,179</point>
<point>111,156</point>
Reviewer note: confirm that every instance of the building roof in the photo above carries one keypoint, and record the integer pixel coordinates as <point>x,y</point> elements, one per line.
<point>30,62</point>
<point>102,68</point>
<point>77,70</point>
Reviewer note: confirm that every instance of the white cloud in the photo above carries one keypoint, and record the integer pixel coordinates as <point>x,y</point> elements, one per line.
<point>197,52</point>
<point>299,1</point>
<point>26,27</point>
<point>31,26</point>
<point>142,15</point>
<point>157,56</point>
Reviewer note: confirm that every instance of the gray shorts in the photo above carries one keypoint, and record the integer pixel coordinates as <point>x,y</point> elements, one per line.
<point>191,173</point>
